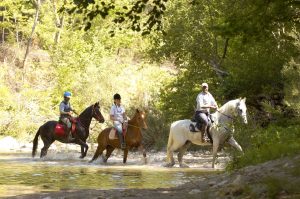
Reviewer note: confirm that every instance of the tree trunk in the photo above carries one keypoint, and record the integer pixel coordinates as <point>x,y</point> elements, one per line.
<point>59,22</point>
<point>3,29</point>
<point>38,4</point>
<point>17,30</point>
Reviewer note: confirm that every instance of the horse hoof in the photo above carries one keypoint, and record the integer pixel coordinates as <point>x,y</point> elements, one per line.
<point>82,156</point>
<point>183,165</point>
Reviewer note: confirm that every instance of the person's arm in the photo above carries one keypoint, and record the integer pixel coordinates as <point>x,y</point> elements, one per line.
<point>73,109</point>
<point>214,103</point>
<point>112,115</point>
<point>62,108</point>
<point>124,116</point>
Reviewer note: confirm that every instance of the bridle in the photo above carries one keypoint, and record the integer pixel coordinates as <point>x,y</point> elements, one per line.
<point>94,113</point>
<point>226,115</point>
<point>230,117</point>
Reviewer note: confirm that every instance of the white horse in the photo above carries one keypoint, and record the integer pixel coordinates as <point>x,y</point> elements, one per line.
<point>180,137</point>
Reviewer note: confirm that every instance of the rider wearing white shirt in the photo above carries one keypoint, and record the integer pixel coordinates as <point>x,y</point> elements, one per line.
<point>118,116</point>
<point>205,101</point>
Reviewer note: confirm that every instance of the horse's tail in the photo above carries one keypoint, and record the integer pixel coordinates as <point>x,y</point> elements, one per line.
<point>96,155</point>
<point>35,143</point>
<point>170,140</point>
<point>170,144</point>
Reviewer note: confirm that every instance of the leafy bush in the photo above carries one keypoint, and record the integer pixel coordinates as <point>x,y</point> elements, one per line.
<point>264,144</point>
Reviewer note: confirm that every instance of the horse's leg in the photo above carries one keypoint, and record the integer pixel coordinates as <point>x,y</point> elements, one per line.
<point>234,143</point>
<point>170,158</point>
<point>143,151</point>
<point>47,140</point>
<point>82,150</point>
<point>182,150</point>
<point>215,150</point>
<point>98,152</point>
<point>125,155</point>
<point>45,148</point>
<point>109,150</point>
<point>83,145</point>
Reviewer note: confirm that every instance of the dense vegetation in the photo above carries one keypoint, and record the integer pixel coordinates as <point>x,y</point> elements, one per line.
<point>160,53</point>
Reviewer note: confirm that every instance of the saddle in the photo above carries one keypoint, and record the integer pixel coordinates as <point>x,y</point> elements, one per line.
<point>113,132</point>
<point>196,126</point>
<point>60,128</point>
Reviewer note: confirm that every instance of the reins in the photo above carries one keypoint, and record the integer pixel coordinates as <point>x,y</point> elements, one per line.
<point>134,126</point>
<point>225,115</point>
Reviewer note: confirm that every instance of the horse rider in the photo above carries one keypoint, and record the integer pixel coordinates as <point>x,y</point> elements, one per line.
<point>205,101</point>
<point>119,118</point>
<point>66,110</point>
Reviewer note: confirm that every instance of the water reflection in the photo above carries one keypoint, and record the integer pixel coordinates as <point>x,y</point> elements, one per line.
<point>35,175</point>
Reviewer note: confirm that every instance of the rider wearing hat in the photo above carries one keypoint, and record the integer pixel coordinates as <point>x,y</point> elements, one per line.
<point>205,101</point>
<point>66,110</point>
<point>118,116</point>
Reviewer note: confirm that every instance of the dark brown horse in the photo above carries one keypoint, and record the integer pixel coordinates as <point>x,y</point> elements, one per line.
<point>133,138</point>
<point>48,135</point>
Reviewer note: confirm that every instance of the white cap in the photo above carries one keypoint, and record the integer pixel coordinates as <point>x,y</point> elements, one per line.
<point>204,84</point>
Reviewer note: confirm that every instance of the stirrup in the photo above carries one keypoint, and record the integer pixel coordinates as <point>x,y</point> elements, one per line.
<point>123,145</point>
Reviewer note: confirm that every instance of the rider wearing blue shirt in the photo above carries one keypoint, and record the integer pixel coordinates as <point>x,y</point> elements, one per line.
<point>65,111</point>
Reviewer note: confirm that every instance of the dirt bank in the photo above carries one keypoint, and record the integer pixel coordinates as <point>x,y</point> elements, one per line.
<point>273,179</point>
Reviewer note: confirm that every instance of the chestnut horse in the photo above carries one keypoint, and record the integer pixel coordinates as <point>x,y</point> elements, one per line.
<point>133,138</point>
<point>48,135</point>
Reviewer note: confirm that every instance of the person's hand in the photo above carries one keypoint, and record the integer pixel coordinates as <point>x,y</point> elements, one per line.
<point>69,113</point>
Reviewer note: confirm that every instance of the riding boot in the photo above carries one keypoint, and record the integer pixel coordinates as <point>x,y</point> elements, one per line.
<point>122,141</point>
<point>209,135</point>
<point>70,138</point>
<point>204,134</point>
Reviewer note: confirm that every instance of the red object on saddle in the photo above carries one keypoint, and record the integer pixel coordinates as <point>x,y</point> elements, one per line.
<point>59,130</point>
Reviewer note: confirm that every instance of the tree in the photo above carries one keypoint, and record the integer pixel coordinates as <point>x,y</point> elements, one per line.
<point>141,16</point>
<point>37,10</point>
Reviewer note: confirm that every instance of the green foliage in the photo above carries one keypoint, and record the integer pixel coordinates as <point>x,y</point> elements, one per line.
<point>156,135</point>
<point>263,144</point>
<point>291,73</point>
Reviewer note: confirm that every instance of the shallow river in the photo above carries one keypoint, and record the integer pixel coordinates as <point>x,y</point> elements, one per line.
<point>63,170</point>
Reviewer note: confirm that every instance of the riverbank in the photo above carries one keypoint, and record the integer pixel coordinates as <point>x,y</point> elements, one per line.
<point>274,179</point>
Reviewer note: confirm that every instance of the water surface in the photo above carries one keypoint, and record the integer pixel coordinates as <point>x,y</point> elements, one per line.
<point>21,174</point>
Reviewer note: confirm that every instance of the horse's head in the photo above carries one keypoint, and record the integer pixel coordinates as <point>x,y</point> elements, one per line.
<point>96,113</point>
<point>241,109</point>
<point>140,117</point>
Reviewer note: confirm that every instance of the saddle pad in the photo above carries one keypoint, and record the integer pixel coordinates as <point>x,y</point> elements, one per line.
<point>192,128</point>
<point>113,134</point>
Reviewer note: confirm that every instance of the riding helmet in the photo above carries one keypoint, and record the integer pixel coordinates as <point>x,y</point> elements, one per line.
<point>117,96</point>
<point>67,94</point>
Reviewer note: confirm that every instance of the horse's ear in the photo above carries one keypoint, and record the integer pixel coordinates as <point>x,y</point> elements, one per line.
<point>244,99</point>
<point>137,110</point>
<point>97,104</point>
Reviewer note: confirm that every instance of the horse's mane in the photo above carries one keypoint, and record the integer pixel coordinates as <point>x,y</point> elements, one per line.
<point>229,104</point>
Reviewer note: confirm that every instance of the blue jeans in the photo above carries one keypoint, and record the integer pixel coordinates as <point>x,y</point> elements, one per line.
<point>118,126</point>
<point>202,120</point>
